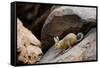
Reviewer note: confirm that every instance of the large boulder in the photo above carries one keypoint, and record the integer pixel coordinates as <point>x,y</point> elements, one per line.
<point>64,20</point>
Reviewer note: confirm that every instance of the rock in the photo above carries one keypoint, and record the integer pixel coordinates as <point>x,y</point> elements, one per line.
<point>83,51</point>
<point>64,20</point>
<point>28,46</point>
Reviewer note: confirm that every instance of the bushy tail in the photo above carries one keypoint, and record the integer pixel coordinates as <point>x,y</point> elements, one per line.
<point>79,36</point>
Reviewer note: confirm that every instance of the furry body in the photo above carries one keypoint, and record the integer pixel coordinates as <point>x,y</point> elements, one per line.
<point>68,41</point>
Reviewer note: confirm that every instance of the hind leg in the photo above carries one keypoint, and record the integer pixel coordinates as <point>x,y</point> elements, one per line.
<point>69,47</point>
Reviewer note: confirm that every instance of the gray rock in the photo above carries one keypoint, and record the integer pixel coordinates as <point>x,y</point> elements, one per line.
<point>83,51</point>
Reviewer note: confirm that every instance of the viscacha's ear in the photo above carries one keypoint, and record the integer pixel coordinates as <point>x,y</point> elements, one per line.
<point>56,39</point>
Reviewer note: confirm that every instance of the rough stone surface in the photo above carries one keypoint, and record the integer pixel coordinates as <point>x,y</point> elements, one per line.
<point>83,51</point>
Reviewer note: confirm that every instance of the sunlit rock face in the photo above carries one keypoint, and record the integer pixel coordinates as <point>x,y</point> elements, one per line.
<point>28,46</point>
